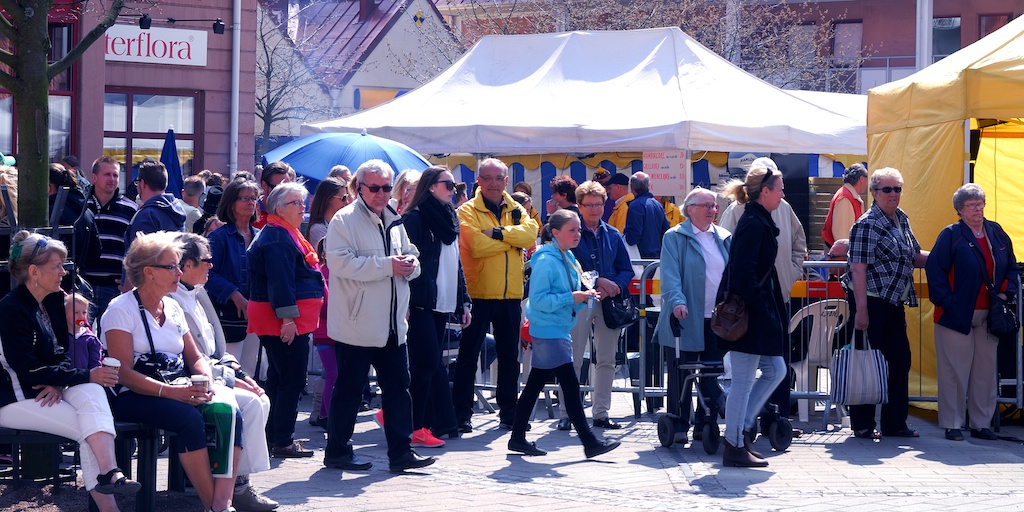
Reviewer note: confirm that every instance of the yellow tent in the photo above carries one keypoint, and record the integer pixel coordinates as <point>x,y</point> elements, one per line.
<point>921,126</point>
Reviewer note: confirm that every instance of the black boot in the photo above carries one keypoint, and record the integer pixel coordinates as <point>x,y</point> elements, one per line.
<point>741,458</point>
<point>748,443</point>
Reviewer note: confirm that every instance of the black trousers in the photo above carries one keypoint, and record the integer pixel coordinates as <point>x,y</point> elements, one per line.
<point>286,376</point>
<point>429,385</point>
<point>570,386</point>
<point>504,315</point>
<point>887,332</point>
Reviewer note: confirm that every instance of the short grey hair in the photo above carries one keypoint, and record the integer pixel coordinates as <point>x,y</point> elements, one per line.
<point>376,167</point>
<point>694,196</point>
<point>640,183</point>
<point>966,193</point>
<point>883,173</point>
<point>277,197</point>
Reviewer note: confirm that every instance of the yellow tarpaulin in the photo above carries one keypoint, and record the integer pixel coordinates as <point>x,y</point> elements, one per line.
<point>917,125</point>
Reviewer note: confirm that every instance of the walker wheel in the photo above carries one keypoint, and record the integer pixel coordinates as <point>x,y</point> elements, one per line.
<point>666,430</point>
<point>710,436</point>
<point>780,434</point>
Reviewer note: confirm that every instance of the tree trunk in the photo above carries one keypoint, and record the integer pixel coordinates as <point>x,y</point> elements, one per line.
<point>31,106</point>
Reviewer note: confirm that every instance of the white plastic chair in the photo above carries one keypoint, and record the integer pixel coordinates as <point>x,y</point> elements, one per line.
<point>828,316</point>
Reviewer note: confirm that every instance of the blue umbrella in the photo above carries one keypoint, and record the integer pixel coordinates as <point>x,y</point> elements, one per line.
<point>169,157</point>
<point>313,156</point>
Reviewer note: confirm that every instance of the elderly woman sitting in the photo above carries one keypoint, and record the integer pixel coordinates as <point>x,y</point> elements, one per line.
<point>147,321</point>
<point>230,382</point>
<point>40,390</point>
<point>286,291</point>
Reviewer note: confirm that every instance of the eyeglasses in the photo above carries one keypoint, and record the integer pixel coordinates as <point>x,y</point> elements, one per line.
<point>343,197</point>
<point>592,205</point>
<point>206,260</point>
<point>40,244</point>
<point>448,184</point>
<point>377,188</point>
<point>299,202</point>
<point>974,206</point>
<point>172,268</point>
<point>707,206</point>
<point>492,179</point>
<point>246,199</point>
<point>889,190</point>
<point>831,256</point>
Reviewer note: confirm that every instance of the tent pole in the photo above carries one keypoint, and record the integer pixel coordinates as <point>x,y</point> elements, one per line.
<point>967,151</point>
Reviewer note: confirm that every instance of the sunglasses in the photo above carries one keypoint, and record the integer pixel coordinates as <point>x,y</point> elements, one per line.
<point>889,190</point>
<point>377,188</point>
<point>448,184</point>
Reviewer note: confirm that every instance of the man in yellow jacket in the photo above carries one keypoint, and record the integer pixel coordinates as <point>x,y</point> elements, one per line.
<point>494,231</point>
<point>618,192</point>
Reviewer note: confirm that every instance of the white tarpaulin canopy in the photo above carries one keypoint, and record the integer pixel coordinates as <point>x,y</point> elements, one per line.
<point>583,92</point>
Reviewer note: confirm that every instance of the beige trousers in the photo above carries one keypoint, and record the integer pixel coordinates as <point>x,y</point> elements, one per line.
<point>966,370</point>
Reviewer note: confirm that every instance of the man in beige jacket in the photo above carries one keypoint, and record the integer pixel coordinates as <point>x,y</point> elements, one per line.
<point>371,261</point>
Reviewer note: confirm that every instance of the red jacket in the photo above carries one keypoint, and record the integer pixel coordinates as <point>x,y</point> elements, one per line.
<point>858,210</point>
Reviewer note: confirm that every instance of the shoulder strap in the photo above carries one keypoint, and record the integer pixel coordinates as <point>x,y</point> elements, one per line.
<point>984,270</point>
<point>145,322</point>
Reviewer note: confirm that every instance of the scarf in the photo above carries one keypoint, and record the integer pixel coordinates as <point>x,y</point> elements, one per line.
<point>304,247</point>
<point>439,218</point>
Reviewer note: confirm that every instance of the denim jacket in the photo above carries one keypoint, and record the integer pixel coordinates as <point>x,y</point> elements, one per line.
<point>605,251</point>
<point>279,272</point>
<point>230,268</point>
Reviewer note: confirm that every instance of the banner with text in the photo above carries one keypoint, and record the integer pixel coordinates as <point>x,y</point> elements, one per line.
<point>669,171</point>
<point>177,47</point>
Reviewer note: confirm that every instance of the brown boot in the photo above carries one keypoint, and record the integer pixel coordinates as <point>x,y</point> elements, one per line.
<point>740,458</point>
<point>748,443</point>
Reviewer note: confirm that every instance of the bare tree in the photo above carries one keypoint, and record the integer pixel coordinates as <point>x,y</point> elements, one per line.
<point>26,72</point>
<point>788,45</point>
<point>287,85</point>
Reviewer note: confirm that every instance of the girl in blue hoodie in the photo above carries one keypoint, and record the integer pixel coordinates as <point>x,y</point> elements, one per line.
<point>555,297</point>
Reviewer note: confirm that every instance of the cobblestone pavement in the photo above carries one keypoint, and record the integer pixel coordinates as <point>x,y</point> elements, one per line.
<point>820,471</point>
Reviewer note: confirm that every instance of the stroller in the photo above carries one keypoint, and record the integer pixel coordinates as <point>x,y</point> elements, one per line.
<point>778,428</point>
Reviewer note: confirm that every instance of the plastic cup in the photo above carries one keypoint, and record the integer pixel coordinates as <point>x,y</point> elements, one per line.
<point>201,380</point>
<point>111,362</point>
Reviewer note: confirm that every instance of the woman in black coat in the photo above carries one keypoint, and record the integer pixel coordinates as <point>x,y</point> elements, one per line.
<point>750,273</point>
<point>437,294</point>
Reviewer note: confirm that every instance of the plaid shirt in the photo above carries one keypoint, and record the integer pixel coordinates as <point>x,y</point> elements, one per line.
<point>888,250</point>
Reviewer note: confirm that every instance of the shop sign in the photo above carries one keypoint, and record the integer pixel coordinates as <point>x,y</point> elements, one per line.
<point>172,46</point>
<point>669,171</point>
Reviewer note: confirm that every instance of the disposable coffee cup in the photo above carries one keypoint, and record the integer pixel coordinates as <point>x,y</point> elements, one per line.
<point>111,362</point>
<point>201,380</point>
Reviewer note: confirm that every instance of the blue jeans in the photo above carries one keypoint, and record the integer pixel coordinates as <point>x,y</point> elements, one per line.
<point>101,297</point>
<point>748,393</point>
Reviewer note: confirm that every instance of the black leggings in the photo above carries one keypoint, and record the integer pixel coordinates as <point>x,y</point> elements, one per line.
<point>570,396</point>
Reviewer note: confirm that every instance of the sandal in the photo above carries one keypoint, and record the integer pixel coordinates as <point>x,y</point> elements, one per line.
<point>122,486</point>
<point>868,433</point>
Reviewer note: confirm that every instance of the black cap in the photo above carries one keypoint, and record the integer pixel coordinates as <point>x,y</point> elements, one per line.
<point>618,179</point>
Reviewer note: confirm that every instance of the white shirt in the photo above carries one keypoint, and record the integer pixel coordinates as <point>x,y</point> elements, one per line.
<point>448,278</point>
<point>714,264</point>
<point>123,315</point>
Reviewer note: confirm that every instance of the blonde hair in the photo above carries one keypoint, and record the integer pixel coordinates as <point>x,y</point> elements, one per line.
<point>762,174</point>
<point>76,298</point>
<point>146,250</point>
<point>32,249</point>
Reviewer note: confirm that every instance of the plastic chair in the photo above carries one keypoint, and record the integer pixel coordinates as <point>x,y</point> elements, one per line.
<point>828,316</point>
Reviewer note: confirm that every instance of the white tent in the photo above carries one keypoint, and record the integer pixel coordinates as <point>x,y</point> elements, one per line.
<point>585,92</point>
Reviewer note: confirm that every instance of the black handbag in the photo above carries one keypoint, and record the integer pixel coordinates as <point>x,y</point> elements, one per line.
<point>1002,318</point>
<point>233,325</point>
<point>619,311</point>
<point>159,366</point>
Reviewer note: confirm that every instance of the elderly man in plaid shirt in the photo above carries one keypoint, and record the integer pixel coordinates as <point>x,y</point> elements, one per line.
<point>883,254</point>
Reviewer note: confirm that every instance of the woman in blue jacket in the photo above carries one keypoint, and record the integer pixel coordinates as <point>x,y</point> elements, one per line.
<point>693,258</point>
<point>554,301</point>
<point>965,352</point>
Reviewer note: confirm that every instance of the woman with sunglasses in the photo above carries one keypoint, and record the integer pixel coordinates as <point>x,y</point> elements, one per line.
<point>750,273</point>
<point>435,296</point>
<point>883,254</point>
<point>39,388</point>
<point>331,195</point>
<point>286,292</point>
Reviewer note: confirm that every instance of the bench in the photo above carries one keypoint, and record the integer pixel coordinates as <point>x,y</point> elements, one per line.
<point>145,438</point>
